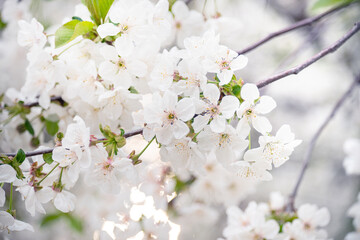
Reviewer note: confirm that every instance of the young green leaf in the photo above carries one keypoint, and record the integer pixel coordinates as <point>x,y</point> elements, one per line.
<point>48,158</point>
<point>19,157</point>
<point>51,124</point>
<point>98,9</point>
<point>29,127</point>
<point>71,30</point>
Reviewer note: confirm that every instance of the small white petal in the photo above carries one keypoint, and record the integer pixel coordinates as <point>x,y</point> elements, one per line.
<point>228,106</point>
<point>7,173</point>
<point>261,124</point>
<point>212,93</point>
<point>107,29</point>
<point>249,92</point>
<point>239,62</point>
<point>266,104</point>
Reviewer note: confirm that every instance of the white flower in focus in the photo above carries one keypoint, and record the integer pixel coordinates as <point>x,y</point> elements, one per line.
<point>224,62</point>
<point>162,74</point>
<point>130,18</point>
<point>254,106</point>
<point>119,70</point>
<point>33,199</point>
<point>110,173</point>
<point>218,113</point>
<point>64,200</point>
<point>226,145</point>
<point>352,160</point>
<point>192,79</point>
<point>167,117</point>
<point>276,149</point>
<point>31,34</point>
<point>75,145</point>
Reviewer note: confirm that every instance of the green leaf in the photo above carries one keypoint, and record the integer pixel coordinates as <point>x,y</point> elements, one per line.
<point>76,18</point>
<point>19,157</point>
<point>71,30</point>
<point>98,9</point>
<point>329,3</point>
<point>49,219</point>
<point>82,28</point>
<point>64,33</point>
<point>236,90</point>
<point>48,158</point>
<point>29,127</point>
<point>75,223</point>
<point>51,124</point>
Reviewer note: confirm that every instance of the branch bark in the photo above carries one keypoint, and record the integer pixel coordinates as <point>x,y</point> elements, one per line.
<point>310,61</point>
<point>290,205</point>
<point>49,150</point>
<point>300,24</point>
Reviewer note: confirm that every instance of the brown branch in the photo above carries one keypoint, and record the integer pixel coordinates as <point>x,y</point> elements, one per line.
<point>290,205</point>
<point>300,24</point>
<point>49,150</point>
<point>53,99</point>
<point>315,58</point>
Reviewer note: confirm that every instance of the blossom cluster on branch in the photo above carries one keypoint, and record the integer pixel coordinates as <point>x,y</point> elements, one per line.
<point>121,66</point>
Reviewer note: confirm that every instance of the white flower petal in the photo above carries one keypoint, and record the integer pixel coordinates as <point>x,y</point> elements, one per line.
<point>124,46</point>
<point>239,62</point>
<point>212,93</point>
<point>225,76</point>
<point>261,124</point>
<point>180,129</point>
<point>265,105</point>
<point>7,173</point>
<point>249,92</point>
<point>107,29</point>
<point>200,122</point>
<point>185,109</point>
<point>228,106</point>
<point>218,124</point>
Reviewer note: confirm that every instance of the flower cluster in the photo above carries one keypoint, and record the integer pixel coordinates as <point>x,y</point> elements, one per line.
<point>271,221</point>
<point>167,73</point>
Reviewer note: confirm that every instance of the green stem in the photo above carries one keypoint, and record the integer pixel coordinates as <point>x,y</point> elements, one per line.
<point>48,174</point>
<point>69,47</point>
<point>138,155</point>
<point>11,197</point>
<point>1,184</point>
<point>61,172</point>
<point>40,131</point>
<point>212,82</point>
<point>195,135</point>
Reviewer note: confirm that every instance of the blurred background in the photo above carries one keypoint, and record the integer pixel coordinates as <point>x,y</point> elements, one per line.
<point>303,100</point>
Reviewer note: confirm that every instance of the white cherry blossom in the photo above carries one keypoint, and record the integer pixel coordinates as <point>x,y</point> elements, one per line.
<point>254,106</point>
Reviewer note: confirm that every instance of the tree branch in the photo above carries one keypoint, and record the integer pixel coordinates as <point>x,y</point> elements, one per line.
<point>290,206</point>
<point>315,58</point>
<point>49,150</point>
<point>300,24</point>
<point>53,99</point>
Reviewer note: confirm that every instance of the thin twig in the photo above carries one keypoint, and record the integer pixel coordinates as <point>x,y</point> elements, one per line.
<point>52,99</point>
<point>302,23</point>
<point>49,150</point>
<point>315,58</point>
<point>290,205</point>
